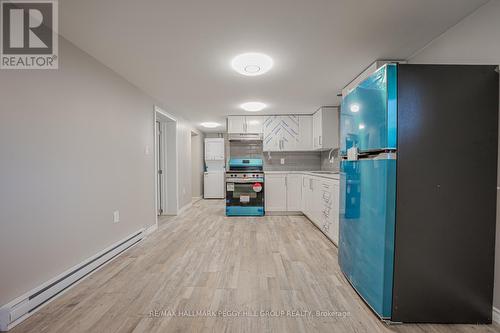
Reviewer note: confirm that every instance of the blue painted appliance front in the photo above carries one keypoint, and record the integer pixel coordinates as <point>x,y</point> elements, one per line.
<point>368,121</point>
<point>245,163</point>
<point>244,211</point>
<point>367,220</point>
<point>368,116</point>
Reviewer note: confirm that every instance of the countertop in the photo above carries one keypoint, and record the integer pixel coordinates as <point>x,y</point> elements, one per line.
<point>332,175</point>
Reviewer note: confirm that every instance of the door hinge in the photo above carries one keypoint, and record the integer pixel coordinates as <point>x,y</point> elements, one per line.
<point>160,172</point>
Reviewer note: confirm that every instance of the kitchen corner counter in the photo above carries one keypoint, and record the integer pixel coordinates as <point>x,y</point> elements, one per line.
<point>309,173</point>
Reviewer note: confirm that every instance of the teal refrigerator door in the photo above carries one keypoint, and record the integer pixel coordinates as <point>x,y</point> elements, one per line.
<point>368,113</point>
<point>367,218</point>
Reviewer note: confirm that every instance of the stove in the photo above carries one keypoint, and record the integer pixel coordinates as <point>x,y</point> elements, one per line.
<point>245,188</point>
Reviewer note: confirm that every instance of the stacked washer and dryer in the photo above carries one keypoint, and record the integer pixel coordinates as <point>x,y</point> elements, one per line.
<point>215,168</point>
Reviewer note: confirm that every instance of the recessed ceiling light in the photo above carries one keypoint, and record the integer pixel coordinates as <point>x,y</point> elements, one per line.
<point>253,106</point>
<point>252,64</point>
<point>354,108</point>
<point>210,125</point>
<point>361,126</point>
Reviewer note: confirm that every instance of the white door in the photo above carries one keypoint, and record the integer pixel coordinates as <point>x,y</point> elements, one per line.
<point>305,133</point>
<point>317,130</point>
<point>290,132</point>
<point>316,202</point>
<point>308,196</point>
<point>236,124</point>
<point>213,184</point>
<point>293,192</point>
<point>334,214</point>
<point>303,199</point>
<point>272,134</point>
<point>255,124</point>
<point>275,192</point>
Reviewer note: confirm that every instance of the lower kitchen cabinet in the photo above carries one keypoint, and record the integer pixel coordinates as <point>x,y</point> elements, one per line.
<point>283,192</point>
<point>316,197</point>
<point>275,192</point>
<point>293,192</point>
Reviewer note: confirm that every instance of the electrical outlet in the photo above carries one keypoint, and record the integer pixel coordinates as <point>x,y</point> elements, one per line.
<point>116,216</point>
<point>282,161</point>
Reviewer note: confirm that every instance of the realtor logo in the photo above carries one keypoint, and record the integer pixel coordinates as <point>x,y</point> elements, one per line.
<point>29,36</point>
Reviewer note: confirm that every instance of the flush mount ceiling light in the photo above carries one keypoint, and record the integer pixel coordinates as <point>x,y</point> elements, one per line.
<point>354,108</point>
<point>253,106</point>
<point>252,64</point>
<point>210,124</point>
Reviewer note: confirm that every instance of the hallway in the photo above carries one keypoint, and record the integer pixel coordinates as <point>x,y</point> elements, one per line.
<point>203,261</point>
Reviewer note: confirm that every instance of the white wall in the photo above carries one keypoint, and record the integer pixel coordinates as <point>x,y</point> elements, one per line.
<point>475,40</point>
<point>72,150</point>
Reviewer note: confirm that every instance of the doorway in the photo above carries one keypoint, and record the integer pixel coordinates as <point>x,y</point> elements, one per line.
<point>166,197</point>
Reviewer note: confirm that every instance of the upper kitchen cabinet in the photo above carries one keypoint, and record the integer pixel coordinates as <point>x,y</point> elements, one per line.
<point>325,132</point>
<point>287,133</point>
<point>245,124</point>
<point>255,124</point>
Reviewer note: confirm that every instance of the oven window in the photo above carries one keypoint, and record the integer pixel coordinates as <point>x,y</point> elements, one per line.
<point>244,190</point>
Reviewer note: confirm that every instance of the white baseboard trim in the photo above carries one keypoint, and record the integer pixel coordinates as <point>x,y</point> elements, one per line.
<point>183,209</point>
<point>496,315</point>
<point>24,306</point>
<point>149,230</point>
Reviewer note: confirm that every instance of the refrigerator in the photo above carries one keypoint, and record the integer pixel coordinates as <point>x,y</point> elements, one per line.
<point>418,191</point>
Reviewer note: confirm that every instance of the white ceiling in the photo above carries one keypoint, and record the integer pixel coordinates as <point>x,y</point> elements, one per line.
<point>180,51</point>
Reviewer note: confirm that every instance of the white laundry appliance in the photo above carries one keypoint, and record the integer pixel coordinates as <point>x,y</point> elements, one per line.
<point>215,164</point>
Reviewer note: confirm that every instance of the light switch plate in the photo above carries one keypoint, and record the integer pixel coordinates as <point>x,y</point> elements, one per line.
<point>282,161</point>
<point>116,216</point>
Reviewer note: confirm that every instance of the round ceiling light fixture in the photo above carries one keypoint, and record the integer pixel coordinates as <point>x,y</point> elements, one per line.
<point>355,108</point>
<point>253,106</point>
<point>210,124</point>
<point>252,63</point>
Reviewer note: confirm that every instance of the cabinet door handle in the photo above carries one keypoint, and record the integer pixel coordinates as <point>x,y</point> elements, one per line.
<point>320,140</point>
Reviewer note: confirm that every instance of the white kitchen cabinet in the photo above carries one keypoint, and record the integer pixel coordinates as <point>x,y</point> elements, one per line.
<point>305,194</point>
<point>288,133</point>
<point>320,203</point>
<point>333,232</point>
<point>236,124</point>
<point>255,124</point>
<point>293,192</point>
<point>275,192</point>
<point>283,192</point>
<point>326,128</point>
<point>305,140</point>
<point>245,124</point>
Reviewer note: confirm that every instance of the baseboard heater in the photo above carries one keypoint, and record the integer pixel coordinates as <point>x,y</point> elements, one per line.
<point>22,307</point>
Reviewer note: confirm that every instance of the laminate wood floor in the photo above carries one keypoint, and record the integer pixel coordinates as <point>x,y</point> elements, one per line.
<point>204,272</point>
